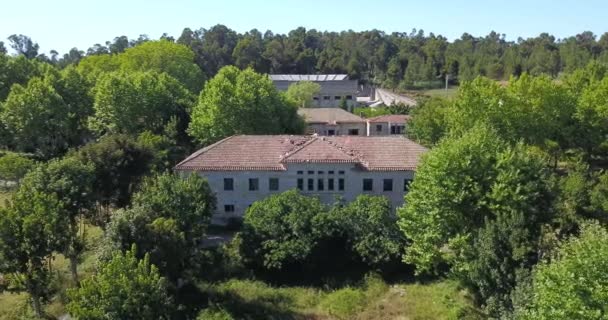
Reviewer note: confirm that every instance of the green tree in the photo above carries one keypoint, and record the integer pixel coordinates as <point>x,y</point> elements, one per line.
<point>30,231</point>
<point>573,284</point>
<point>71,183</point>
<point>24,45</point>
<point>429,121</point>
<point>279,230</point>
<point>168,218</point>
<point>123,288</point>
<point>38,119</point>
<point>119,164</point>
<point>303,92</point>
<point>14,166</point>
<point>138,101</point>
<point>242,102</point>
<point>371,229</point>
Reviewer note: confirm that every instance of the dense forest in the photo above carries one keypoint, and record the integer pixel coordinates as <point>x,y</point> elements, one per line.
<point>505,219</point>
<point>397,60</point>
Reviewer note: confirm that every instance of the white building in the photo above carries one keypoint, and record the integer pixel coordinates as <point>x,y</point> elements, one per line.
<point>247,168</point>
<point>333,122</point>
<point>334,87</point>
<point>387,125</point>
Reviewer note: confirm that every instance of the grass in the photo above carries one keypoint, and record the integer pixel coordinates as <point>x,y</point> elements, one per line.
<point>442,93</point>
<point>371,299</point>
<point>13,306</point>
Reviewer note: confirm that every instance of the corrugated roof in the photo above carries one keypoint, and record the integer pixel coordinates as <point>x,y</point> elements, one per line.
<point>329,116</point>
<point>273,152</point>
<point>308,77</point>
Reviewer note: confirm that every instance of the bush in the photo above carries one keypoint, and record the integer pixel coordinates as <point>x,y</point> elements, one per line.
<point>214,313</point>
<point>344,303</point>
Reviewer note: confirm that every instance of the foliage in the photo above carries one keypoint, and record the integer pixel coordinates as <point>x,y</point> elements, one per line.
<point>344,303</point>
<point>124,288</point>
<point>119,163</point>
<point>14,166</point>
<point>30,231</point>
<point>138,101</point>
<point>302,93</point>
<point>428,123</point>
<point>168,219</point>
<point>279,230</point>
<point>572,284</point>
<point>242,102</point>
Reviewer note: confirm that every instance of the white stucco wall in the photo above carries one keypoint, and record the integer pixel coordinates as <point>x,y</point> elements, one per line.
<point>339,129</point>
<point>242,198</point>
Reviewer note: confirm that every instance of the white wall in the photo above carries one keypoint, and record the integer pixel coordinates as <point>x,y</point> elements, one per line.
<point>242,198</point>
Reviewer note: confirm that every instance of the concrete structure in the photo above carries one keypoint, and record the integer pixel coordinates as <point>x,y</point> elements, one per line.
<point>245,169</point>
<point>334,87</point>
<point>333,122</point>
<point>392,124</point>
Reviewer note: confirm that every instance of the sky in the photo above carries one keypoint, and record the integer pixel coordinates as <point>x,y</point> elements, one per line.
<point>64,24</point>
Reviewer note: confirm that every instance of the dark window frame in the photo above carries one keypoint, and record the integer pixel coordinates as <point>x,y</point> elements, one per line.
<point>254,184</point>
<point>387,185</point>
<point>229,208</point>
<point>330,184</point>
<point>406,185</point>
<point>341,184</point>
<point>310,184</point>
<point>368,185</point>
<point>273,184</point>
<point>301,184</point>
<point>228,184</point>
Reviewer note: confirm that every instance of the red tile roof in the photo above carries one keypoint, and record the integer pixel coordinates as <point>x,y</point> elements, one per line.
<point>274,152</point>
<point>392,118</point>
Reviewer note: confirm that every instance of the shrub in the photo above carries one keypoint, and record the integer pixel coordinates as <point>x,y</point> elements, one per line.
<point>344,303</point>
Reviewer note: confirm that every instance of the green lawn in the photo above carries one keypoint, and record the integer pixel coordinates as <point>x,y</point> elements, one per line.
<point>442,93</point>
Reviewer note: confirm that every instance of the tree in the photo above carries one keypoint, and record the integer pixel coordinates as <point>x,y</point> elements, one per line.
<point>38,119</point>
<point>371,229</point>
<point>119,164</point>
<point>24,46</point>
<point>458,185</point>
<point>279,231</point>
<point>123,288</point>
<point>572,285</point>
<point>14,166</point>
<point>429,121</point>
<point>134,102</point>
<point>30,231</point>
<point>71,183</point>
<point>241,102</point>
<point>303,92</point>
<point>168,219</point>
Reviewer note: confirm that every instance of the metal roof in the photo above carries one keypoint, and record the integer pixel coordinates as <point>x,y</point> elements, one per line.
<point>308,77</point>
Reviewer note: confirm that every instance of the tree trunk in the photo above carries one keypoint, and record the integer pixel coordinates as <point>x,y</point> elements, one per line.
<point>37,306</point>
<point>74,269</point>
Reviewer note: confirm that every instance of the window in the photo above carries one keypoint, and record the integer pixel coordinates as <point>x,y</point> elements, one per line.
<point>326,98</point>
<point>311,172</point>
<point>341,184</point>
<point>228,184</point>
<point>387,184</point>
<point>337,97</point>
<point>300,172</point>
<point>353,132</point>
<point>406,185</point>
<point>378,128</point>
<point>397,129</point>
<point>331,132</point>
<point>228,208</point>
<point>340,172</point>
<point>273,184</point>
<point>330,184</point>
<point>320,172</point>
<point>254,184</point>
<point>349,97</point>
<point>320,185</point>
<point>300,184</point>
<point>330,172</point>
<point>311,184</point>
<point>368,184</point>
<point>315,98</point>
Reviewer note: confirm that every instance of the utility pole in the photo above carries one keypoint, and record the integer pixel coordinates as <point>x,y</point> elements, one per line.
<point>447,76</point>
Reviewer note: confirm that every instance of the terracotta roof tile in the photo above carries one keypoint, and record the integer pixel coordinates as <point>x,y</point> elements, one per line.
<point>274,152</point>
<point>392,118</point>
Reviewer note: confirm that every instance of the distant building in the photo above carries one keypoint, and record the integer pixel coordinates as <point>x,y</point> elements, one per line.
<point>333,122</point>
<point>247,168</point>
<point>334,87</point>
<point>338,122</point>
<point>387,125</point>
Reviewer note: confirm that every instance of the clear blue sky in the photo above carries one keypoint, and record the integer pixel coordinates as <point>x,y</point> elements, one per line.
<point>63,24</point>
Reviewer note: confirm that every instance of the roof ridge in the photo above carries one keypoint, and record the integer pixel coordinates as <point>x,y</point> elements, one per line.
<point>356,155</point>
<point>205,149</point>
<point>297,149</point>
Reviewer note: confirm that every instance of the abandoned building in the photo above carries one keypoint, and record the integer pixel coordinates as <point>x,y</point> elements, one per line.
<point>334,87</point>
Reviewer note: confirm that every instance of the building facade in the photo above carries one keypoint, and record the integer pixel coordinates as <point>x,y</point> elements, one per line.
<point>334,87</point>
<point>244,169</point>
<point>333,122</point>
<point>392,124</point>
